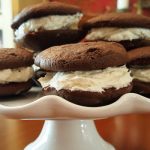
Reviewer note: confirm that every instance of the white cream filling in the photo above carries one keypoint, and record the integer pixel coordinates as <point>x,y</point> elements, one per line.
<point>22,74</point>
<point>142,74</point>
<point>118,34</point>
<point>94,81</point>
<point>35,68</point>
<point>51,22</point>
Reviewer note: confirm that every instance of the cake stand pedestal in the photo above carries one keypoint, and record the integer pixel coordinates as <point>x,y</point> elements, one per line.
<point>69,126</point>
<point>69,135</point>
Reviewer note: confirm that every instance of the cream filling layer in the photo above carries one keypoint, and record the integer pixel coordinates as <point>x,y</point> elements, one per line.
<point>22,74</point>
<point>94,81</point>
<point>51,22</point>
<point>118,34</point>
<point>142,74</point>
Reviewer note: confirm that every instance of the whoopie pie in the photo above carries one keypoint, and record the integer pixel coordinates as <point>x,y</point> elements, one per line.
<point>88,73</point>
<point>139,63</point>
<point>129,29</point>
<point>47,24</point>
<point>15,71</point>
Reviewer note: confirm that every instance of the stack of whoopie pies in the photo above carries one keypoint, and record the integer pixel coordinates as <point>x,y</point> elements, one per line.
<point>88,73</point>
<point>129,29</point>
<point>139,63</point>
<point>15,71</point>
<point>47,24</point>
<point>133,32</point>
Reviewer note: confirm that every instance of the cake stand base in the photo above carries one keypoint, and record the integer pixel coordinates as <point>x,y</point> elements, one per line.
<point>69,135</point>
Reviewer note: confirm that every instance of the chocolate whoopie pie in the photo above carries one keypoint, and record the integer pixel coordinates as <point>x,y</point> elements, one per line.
<point>47,24</point>
<point>15,71</point>
<point>131,30</point>
<point>88,73</point>
<point>139,63</point>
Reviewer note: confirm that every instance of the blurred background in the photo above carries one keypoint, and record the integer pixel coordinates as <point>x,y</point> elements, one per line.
<point>9,8</point>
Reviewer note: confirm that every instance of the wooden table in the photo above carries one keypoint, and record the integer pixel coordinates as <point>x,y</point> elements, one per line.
<point>130,132</point>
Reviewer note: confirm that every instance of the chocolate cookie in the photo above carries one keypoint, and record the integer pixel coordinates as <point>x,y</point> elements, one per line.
<point>15,57</point>
<point>15,88</point>
<point>15,71</point>
<point>44,9</point>
<point>43,39</point>
<point>117,20</point>
<point>139,63</point>
<point>47,24</point>
<point>141,87</point>
<point>87,98</point>
<point>82,56</point>
<point>88,74</point>
<point>139,56</point>
<point>129,29</point>
<point>129,45</point>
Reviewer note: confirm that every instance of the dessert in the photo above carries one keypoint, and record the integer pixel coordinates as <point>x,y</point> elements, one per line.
<point>139,63</point>
<point>15,71</point>
<point>129,29</point>
<point>46,24</point>
<point>88,73</point>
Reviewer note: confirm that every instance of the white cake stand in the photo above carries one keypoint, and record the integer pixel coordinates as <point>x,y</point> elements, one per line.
<point>69,126</point>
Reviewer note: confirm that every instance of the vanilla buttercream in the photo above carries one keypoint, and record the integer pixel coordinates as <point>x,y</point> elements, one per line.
<point>94,81</point>
<point>22,74</point>
<point>142,74</point>
<point>51,22</point>
<point>118,34</point>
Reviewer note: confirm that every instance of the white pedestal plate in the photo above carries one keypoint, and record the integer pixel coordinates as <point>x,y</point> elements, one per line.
<point>69,126</point>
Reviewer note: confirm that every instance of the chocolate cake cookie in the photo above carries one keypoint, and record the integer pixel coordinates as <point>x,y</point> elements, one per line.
<point>88,73</point>
<point>47,24</point>
<point>139,63</point>
<point>129,29</point>
<point>15,71</point>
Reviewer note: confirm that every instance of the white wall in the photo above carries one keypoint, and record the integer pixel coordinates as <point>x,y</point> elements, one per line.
<point>5,22</point>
